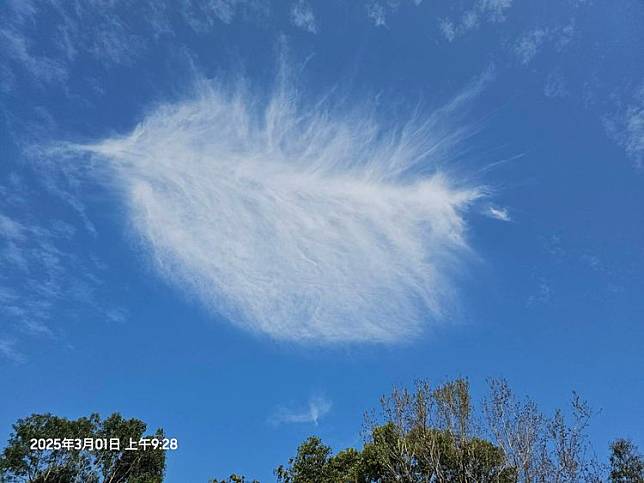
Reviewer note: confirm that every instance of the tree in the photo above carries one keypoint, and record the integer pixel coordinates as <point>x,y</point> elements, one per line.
<point>314,463</point>
<point>438,434</point>
<point>542,449</point>
<point>419,436</point>
<point>53,463</point>
<point>626,464</point>
<point>427,435</point>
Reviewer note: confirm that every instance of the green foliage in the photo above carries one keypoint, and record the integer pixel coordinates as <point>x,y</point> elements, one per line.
<point>393,456</point>
<point>311,463</point>
<point>314,463</point>
<point>626,464</point>
<point>20,463</point>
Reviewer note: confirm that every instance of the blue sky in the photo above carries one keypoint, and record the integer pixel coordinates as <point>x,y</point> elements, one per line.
<point>245,220</point>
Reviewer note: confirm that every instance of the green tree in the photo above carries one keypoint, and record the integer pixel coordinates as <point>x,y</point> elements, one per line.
<point>19,462</point>
<point>427,435</point>
<point>314,463</point>
<point>129,466</point>
<point>420,436</point>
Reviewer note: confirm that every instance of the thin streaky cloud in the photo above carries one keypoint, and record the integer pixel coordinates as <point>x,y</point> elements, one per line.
<point>317,408</point>
<point>497,213</point>
<point>40,273</point>
<point>8,351</point>
<point>11,229</point>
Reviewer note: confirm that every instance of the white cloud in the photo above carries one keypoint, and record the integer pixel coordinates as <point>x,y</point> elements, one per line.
<point>302,16</point>
<point>42,270</point>
<point>10,229</point>
<point>379,10</point>
<point>33,277</point>
<point>317,408</point>
<point>634,129</point>
<point>98,29</point>
<point>302,222</point>
<point>17,51</point>
<point>108,33</point>
<point>9,351</point>
<point>470,19</point>
<point>564,35</point>
<point>626,126</point>
<point>498,213</point>
<point>202,16</point>
<point>528,45</point>
<point>543,294</point>
<point>493,11</point>
<point>555,85</point>
<point>376,13</point>
<point>448,30</point>
<point>224,10</point>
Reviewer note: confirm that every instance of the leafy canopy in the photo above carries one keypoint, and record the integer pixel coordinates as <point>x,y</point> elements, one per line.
<point>20,463</point>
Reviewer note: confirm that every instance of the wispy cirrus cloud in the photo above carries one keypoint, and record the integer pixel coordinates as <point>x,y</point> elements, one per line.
<point>528,45</point>
<point>299,221</point>
<point>111,33</point>
<point>317,408</point>
<point>45,276</point>
<point>8,351</point>
<point>498,213</point>
<point>204,16</point>
<point>100,32</point>
<point>302,16</point>
<point>634,132</point>
<point>377,14</point>
<point>481,11</point>
<point>626,126</point>
<point>35,274</point>
<point>555,86</point>
<point>378,11</point>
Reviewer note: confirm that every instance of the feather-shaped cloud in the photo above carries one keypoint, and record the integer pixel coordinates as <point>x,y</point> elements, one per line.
<point>300,221</point>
